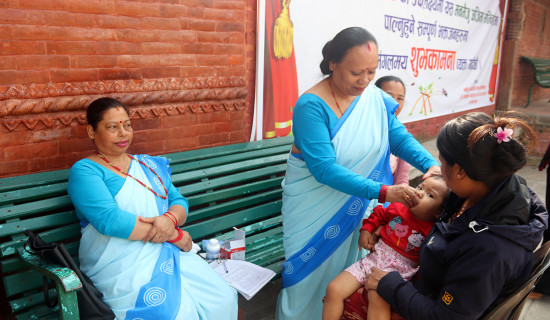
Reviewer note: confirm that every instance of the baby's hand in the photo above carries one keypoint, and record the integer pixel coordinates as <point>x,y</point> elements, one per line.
<point>366,240</point>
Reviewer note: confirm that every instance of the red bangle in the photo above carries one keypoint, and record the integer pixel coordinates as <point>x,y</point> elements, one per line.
<point>174,220</point>
<point>178,238</point>
<point>382,194</point>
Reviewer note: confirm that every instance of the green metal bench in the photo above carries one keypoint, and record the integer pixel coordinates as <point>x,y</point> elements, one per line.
<point>235,185</point>
<point>541,69</point>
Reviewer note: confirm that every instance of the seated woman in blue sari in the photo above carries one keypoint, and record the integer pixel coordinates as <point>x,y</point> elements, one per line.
<point>339,168</point>
<point>132,247</point>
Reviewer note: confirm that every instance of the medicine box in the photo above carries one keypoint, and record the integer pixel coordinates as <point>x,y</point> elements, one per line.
<point>234,248</point>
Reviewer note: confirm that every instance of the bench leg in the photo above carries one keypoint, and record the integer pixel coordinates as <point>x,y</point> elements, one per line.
<point>529,97</point>
<point>68,304</point>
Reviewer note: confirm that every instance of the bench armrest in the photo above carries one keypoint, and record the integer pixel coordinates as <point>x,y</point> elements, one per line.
<point>65,278</point>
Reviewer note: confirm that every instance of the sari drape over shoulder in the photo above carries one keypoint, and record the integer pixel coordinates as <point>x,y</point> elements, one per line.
<point>320,224</point>
<point>150,280</point>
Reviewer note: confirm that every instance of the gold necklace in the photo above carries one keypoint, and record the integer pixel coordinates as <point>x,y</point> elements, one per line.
<point>334,96</point>
<point>461,211</point>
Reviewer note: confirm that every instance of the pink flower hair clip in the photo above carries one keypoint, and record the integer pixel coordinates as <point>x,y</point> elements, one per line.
<point>503,134</point>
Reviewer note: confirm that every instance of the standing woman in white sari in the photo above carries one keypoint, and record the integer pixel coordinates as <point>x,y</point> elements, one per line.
<point>132,247</point>
<point>344,131</point>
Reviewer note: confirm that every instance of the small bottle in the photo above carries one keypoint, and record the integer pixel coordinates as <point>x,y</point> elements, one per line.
<point>212,249</point>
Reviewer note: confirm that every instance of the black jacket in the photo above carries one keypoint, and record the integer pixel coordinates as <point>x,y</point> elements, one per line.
<point>472,263</point>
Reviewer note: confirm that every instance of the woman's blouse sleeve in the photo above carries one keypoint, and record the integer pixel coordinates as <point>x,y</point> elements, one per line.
<point>94,202</point>
<point>310,125</point>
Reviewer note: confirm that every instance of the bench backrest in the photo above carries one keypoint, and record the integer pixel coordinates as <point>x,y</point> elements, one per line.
<point>234,185</point>
<point>541,70</point>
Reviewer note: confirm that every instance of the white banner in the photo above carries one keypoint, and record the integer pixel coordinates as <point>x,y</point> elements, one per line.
<point>444,51</point>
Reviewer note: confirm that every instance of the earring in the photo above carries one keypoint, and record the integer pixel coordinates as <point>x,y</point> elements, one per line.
<point>92,137</point>
<point>331,68</point>
<point>459,177</point>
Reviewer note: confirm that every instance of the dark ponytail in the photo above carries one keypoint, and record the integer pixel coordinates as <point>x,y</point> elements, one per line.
<point>470,141</point>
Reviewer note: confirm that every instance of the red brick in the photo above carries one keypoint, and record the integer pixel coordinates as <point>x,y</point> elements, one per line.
<point>13,168</point>
<point>17,16</point>
<point>212,60</point>
<point>27,77</point>
<point>201,71</point>
<point>222,15</point>
<point>213,139</point>
<point>37,136</point>
<point>62,18</point>
<point>197,48</point>
<point>236,60</point>
<point>48,163</point>
<point>137,9</point>
<point>14,138</point>
<point>159,23</point>
<point>159,48</point>
<point>182,36</point>
<point>8,63</point>
<point>146,124</point>
<point>93,61</point>
<point>74,145</point>
<point>137,61</point>
<point>160,72</point>
<point>216,37</point>
<point>230,26</point>
<point>228,48</point>
<point>222,4</point>
<point>61,33</point>
<point>177,145</point>
<point>118,47</point>
<point>42,62</point>
<point>72,75</point>
<point>173,11</point>
<point>71,47</point>
<point>132,35</point>
<point>201,25</point>
<point>184,120</point>
<point>151,148</point>
<point>7,32</point>
<point>120,74</point>
<point>118,22</point>
<point>29,151</point>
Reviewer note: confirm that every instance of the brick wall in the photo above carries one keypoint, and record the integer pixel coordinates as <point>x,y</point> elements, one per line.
<point>534,41</point>
<point>184,68</point>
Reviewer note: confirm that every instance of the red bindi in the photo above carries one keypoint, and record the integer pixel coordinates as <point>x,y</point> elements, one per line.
<point>368,46</point>
<point>121,121</point>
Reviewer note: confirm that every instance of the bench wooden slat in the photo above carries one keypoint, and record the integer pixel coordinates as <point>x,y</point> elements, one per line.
<point>212,226</point>
<point>47,221</point>
<point>25,209</point>
<point>242,166</point>
<point>15,263</point>
<point>40,312</point>
<point>210,212</point>
<point>217,161</point>
<point>211,184</point>
<point>200,199</point>
<point>32,300</point>
<point>206,153</point>
<point>9,248</point>
<point>33,180</point>
<point>34,193</point>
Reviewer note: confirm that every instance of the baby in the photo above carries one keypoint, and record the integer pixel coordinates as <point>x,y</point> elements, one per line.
<point>402,233</point>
